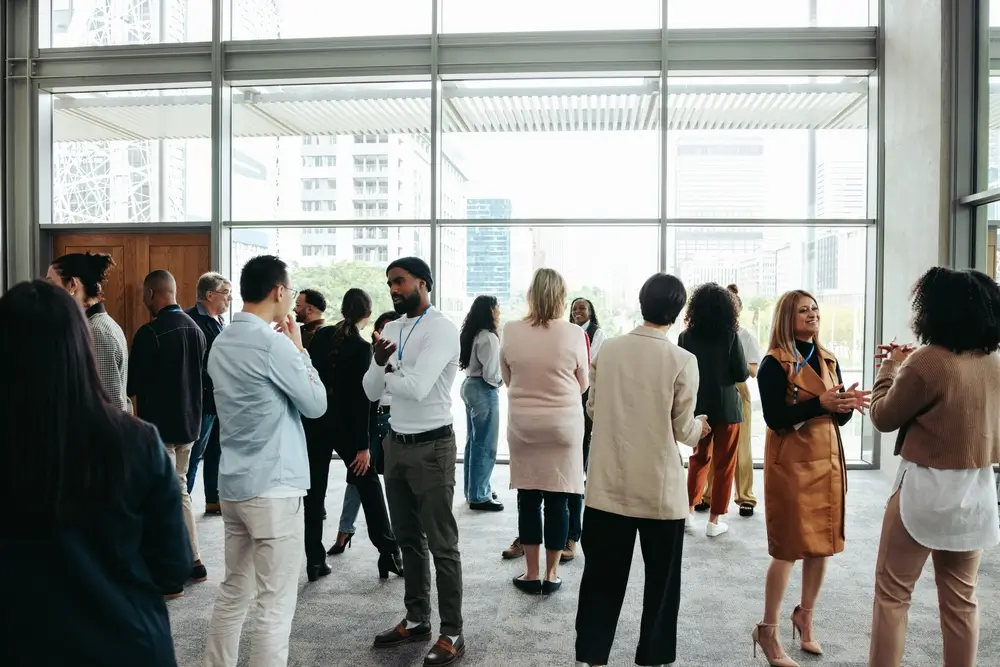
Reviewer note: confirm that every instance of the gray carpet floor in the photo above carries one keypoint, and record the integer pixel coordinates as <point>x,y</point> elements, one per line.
<point>722,597</point>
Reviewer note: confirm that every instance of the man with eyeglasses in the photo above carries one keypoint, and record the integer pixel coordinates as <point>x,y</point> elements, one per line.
<point>215,293</point>
<point>264,385</point>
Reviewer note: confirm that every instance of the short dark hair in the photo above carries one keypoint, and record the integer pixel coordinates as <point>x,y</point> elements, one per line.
<point>315,299</point>
<point>261,275</point>
<point>958,310</point>
<point>662,298</point>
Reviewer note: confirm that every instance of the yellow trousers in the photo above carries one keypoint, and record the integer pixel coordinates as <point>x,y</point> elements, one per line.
<point>744,459</point>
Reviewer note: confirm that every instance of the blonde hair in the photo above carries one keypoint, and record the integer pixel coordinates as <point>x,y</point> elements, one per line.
<point>546,297</point>
<point>783,322</point>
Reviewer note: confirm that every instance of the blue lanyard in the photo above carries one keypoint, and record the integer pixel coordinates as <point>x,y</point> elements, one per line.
<point>800,365</point>
<point>402,344</point>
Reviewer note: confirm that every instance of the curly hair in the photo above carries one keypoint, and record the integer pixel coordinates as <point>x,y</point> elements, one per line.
<point>480,318</point>
<point>958,310</point>
<point>711,312</point>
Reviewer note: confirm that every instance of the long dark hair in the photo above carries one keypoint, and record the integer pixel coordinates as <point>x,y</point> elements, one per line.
<point>355,306</point>
<point>594,324</point>
<point>480,318</point>
<point>711,312</point>
<point>382,320</point>
<point>61,444</point>
<point>91,269</point>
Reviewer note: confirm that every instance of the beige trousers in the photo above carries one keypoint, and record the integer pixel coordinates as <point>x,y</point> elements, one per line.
<point>900,561</point>
<point>744,459</point>
<point>180,457</point>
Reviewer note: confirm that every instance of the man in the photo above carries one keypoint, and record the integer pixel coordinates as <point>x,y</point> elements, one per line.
<point>415,360</point>
<point>310,305</point>
<point>214,296</point>
<point>264,385</point>
<point>164,379</point>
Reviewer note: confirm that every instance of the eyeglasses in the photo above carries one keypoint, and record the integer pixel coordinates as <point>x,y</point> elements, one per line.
<point>223,292</point>
<point>291,289</point>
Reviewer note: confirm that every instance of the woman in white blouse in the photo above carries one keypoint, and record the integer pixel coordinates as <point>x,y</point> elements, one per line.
<point>480,359</point>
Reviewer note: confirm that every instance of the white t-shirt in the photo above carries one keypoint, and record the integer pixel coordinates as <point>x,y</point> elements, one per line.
<point>751,350</point>
<point>599,338</point>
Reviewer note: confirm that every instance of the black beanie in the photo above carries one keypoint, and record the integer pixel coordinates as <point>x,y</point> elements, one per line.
<point>414,266</point>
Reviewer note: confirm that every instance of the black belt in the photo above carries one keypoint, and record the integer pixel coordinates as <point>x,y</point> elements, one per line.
<point>383,409</point>
<point>426,436</point>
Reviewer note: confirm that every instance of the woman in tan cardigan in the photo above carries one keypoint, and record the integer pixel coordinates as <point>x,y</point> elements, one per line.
<point>805,479</point>
<point>944,399</point>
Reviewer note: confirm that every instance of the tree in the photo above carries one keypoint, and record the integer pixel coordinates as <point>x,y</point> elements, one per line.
<point>335,279</point>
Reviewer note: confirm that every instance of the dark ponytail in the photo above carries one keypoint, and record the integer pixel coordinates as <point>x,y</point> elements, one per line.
<point>91,269</point>
<point>355,307</point>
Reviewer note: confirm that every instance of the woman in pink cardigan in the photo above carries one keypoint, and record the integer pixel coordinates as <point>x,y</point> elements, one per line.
<point>543,361</point>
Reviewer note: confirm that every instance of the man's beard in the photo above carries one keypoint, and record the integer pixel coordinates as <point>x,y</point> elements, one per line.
<point>300,318</point>
<point>407,303</point>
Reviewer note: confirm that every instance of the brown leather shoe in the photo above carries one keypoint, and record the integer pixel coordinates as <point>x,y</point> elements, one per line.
<point>213,508</point>
<point>444,652</point>
<point>401,635</point>
<point>569,553</point>
<point>515,550</point>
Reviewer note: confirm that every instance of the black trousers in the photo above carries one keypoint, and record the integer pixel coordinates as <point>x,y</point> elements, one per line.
<point>608,543</point>
<point>369,487</point>
<point>576,501</point>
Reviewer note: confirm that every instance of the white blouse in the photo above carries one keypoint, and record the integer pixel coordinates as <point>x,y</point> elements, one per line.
<point>599,338</point>
<point>948,510</point>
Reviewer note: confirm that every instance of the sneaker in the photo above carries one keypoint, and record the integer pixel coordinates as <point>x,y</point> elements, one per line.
<point>515,550</point>
<point>198,573</point>
<point>689,522</point>
<point>716,529</point>
<point>569,553</point>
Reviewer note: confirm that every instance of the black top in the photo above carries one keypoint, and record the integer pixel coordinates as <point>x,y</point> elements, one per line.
<point>350,416</point>
<point>92,595</point>
<point>211,327</point>
<point>164,374</point>
<point>721,364</point>
<point>772,381</point>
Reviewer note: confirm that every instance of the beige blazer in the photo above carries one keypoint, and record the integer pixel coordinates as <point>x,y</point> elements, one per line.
<point>643,390</point>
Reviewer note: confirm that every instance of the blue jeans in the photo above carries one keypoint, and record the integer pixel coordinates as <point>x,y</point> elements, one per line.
<point>482,419</point>
<point>207,447</point>
<point>352,498</point>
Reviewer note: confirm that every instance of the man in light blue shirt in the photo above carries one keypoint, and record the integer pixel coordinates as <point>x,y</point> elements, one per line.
<point>264,383</point>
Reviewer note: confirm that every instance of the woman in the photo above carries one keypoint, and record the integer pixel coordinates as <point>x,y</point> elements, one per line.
<point>744,454</point>
<point>636,483</point>
<point>352,499</point>
<point>102,536</point>
<point>341,356</point>
<point>711,337</point>
<point>805,479</point>
<point>944,399</point>
<point>83,275</point>
<point>479,357</point>
<point>544,363</point>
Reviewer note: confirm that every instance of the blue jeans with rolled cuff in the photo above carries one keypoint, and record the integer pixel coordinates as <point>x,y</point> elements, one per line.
<point>482,419</point>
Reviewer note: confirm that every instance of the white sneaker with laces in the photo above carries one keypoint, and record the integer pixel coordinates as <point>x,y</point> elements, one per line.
<point>716,529</point>
<point>689,522</point>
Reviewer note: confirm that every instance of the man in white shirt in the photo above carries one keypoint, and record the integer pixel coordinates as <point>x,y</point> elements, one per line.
<point>264,383</point>
<point>416,359</point>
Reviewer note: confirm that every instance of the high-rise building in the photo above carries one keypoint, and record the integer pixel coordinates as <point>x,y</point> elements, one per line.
<point>488,255</point>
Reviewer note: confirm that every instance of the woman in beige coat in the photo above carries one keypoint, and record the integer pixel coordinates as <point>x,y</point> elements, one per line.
<point>544,363</point>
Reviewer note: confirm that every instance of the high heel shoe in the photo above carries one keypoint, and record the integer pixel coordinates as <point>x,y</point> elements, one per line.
<point>340,547</point>
<point>389,562</point>
<point>314,572</point>
<point>778,657</point>
<point>807,645</point>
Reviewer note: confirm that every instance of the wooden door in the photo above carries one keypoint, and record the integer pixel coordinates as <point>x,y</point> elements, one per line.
<point>186,256</point>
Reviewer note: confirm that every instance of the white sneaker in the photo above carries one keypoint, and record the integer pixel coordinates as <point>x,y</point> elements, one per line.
<point>689,522</point>
<point>716,529</point>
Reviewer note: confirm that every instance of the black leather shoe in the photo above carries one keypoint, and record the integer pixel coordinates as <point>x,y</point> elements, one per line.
<point>389,562</point>
<point>487,506</point>
<point>702,507</point>
<point>401,635</point>
<point>746,509</point>
<point>340,547</point>
<point>529,586</point>
<point>198,573</point>
<point>314,572</point>
<point>444,652</point>
<point>550,587</point>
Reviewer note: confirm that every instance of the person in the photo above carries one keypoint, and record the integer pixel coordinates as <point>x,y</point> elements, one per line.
<point>636,481</point>
<point>214,293</point>
<point>164,379</point>
<point>416,359</point>
<point>582,313</point>
<point>352,498</point>
<point>544,363</point>
<point>310,305</point>
<point>744,454</point>
<point>342,356</point>
<point>711,337</point>
<point>805,478</point>
<point>84,275</point>
<point>943,398</point>
<point>264,385</point>
<point>102,535</point>
<point>480,359</point>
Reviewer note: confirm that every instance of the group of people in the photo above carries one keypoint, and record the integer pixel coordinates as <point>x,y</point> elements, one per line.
<point>106,445</point>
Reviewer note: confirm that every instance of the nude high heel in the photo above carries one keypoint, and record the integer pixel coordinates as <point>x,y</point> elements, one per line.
<point>778,659</point>
<point>807,645</point>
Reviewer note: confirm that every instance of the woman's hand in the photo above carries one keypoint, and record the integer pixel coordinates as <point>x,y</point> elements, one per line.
<point>836,400</point>
<point>893,352</point>
<point>862,398</point>
<point>705,428</point>
<point>362,461</point>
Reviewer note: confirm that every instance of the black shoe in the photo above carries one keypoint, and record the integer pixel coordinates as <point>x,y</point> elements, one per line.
<point>401,635</point>
<point>324,514</point>
<point>487,506</point>
<point>529,586</point>
<point>314,572</point>
<point>550,587</point>
<point>173,593</point>
<point>198,573</point>
<point>389,562</point>
<point>702,507</point>
<point>494,495</point>
<point>746,509</point>
<point>444,652</point>
<point>338,549</point>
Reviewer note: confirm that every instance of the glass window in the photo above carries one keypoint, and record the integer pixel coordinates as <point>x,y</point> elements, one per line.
<point>77,23</point>
<point>765,261</point>
<point>767,13</point>
<point>553,148</point>
<point>276,168</point>
<point>293,19</point>
<point>548,16</point>
<point>767,147</point>
<point>606,264</point>
<point>131,156</point>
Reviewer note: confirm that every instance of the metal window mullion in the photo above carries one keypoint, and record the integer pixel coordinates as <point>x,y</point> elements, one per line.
<point>435,180</point>
<point>664,120</point>
<point>222,136</point>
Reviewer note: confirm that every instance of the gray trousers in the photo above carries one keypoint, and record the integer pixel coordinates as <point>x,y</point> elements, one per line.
<point>420,488</point>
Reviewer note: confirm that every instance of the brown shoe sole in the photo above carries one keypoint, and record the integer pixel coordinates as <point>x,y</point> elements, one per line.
<point>565,558</point>
<point>173,596</point>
